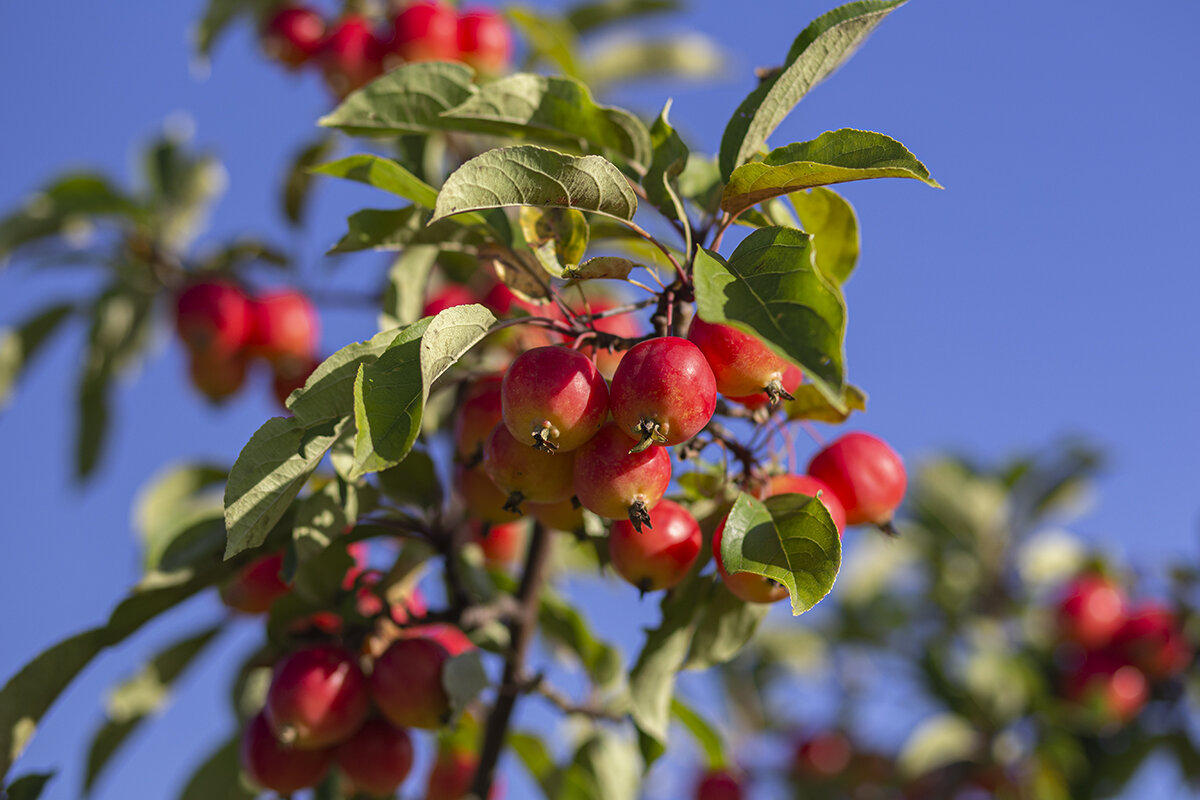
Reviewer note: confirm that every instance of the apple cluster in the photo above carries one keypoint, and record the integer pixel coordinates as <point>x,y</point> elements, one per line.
<point>556,432</point>
<point>355,49</point>
<point>224,328</point>
<point>350,699</point>
<point>1116,652</point>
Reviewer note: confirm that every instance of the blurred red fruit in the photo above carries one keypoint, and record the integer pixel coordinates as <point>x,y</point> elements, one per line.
<point>277,767</point>
<point>293,35</point>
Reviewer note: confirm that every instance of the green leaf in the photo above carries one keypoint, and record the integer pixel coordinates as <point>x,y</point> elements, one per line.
<point>534,176</point>
<point>669,160</point>
<point>27,787</point>
<point>558,236</point>
<point>378,229</point>
<point>218,16</point>
<point>320,518</point>
<point>700,182</point>
<point>182,187</point>
<point>726,623</point>
<point>559,111</point>
<point>810,403</point>
<point>833,157</point>
<point>382,173</point>
<point>219,776</point>
<point>404,296</point>
<point>139,697</point>
<point>652,679</point>
<point>771,288</point>
<point>831,221</point>
<point>686,56</point>
<point>297,186</point>
<point>268,474</point>
<point>463,678</point>
<point>61,207</point>
<point>328,394</point>
<point>19,345</point>
<point>563,626</point>
<point>533,754</point>
<point>819,50</point>
<point>413,481</point>
<point>710,741</point>
<point>601,268</point>
<point>586,17</point>
<point>605,767</point>
<point>410,99</point>
<point>390,394</point>
<point>790,539</point>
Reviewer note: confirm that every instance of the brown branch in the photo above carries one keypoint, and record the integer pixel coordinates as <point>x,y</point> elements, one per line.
<point>569,706</point>
<point>523,629</point>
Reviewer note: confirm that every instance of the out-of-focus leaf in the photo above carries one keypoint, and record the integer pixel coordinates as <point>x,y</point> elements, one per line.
<point>686,56</point>
<point>137,698</point>
<point>464,678</point>
<point>726,623</point>
<point>532,752</point>
<point>297,185</point>
<point>588,16</point>
<point>404,297</point>
<point>413,481</point>
<point>562,625</point>
<point>21,343</point>
<point>549,38</point>
<point>937,742</point>
<point>27,787</point>
<point>605,767</point>
<point>711,743</point>
<point>219,776</point>
<point>71,200</point>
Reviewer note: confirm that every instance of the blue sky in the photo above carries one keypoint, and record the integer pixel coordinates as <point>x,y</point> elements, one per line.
<point>1049,290</point>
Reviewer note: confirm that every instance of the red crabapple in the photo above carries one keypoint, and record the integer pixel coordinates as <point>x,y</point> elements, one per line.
<point>377,758</point>
<point>526,473</point>
<point>481,498</point>
<point>448,636</point>
<point>1109,685</point>
<point>293,35</point>
<point>746,585</point>
<point>276,766</point>
<point>790,380</point>
<point>502,544</point>
<point>216,374</point>
<point>1091,611</point>
<point>477,414</point>
<point>426,31</point>
<point>352,55</point>
<point>213,317</point>
<point>661,557</point>
<point>286,326</point>
<point>1152,639</point>
<point>256,586</point>
<point>406,683</point>
<point>718,785</point>
<point>318,697</point>
<point>484,41</point>
<point>741,363</point>
<point>452,773</point>
<point>565,515</point>
<point>451,295</point>
<point>866,475</point>
<point>663,392</point>
<point>807,484</point>
<point>553,398</point>
<point>615,483</point>
<point>822,756</point>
